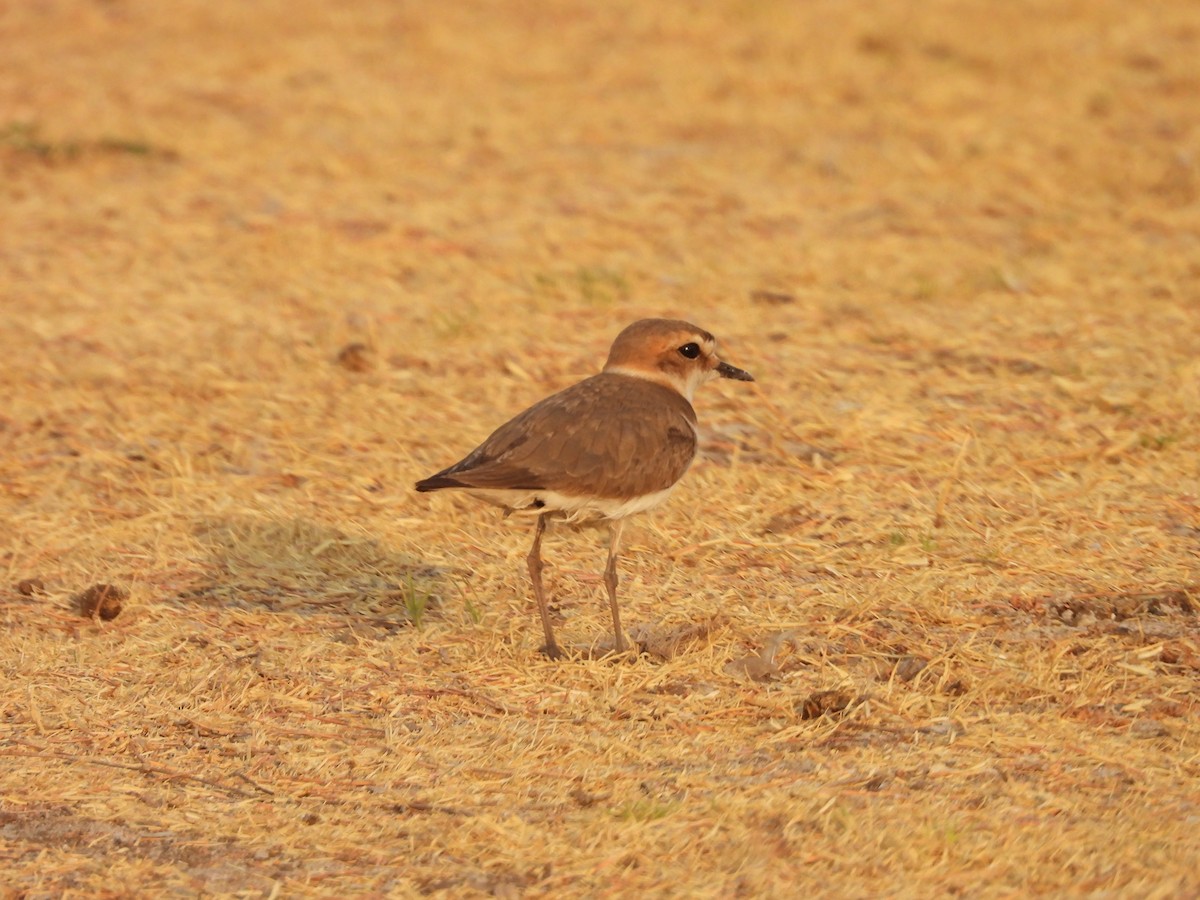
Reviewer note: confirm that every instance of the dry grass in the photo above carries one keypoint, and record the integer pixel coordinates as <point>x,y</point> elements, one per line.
<point>923,619</point>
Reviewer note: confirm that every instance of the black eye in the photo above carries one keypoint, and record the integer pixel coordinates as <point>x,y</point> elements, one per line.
<point>691,351</point>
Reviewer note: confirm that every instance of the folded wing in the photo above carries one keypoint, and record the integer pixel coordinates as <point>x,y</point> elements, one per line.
<point>611,436</point>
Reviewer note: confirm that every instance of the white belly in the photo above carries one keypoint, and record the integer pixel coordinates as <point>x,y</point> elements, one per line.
<point>573,509</point>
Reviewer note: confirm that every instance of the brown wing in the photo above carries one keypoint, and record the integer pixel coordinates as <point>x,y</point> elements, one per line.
<point>610,436</point>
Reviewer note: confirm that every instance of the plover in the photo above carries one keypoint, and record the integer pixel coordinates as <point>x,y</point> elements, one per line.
<point>602,450</point>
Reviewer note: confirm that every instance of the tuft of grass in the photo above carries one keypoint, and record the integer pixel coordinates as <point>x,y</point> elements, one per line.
<point>474,613</point>
<point>456,321</point>
<point>601,285</point>
<point>129,146</point>
<point>1158,441</point>
<point>924,287</point>
<point>593,285</point>
<point>26,138</point>
<point>416,600</point>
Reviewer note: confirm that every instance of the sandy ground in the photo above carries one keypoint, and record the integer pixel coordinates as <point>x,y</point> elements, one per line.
<point>922,619</point>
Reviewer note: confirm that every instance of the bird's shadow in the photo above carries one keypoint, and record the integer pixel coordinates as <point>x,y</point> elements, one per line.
<point>299,566</point>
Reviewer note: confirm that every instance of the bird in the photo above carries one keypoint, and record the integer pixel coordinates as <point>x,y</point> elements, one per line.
<point>606,448</point>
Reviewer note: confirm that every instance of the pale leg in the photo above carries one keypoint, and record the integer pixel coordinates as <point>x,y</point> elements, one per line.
<point>534,559</point>
<point>610,582</point>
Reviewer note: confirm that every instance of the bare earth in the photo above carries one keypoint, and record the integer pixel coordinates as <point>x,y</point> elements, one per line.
<point>924,618</point>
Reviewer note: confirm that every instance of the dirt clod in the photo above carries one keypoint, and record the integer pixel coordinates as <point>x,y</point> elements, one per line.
<point>823,703</point>
<point>103,600</point>
<point>27,587</point>
<point>908,667</point>
<point>356,357</point>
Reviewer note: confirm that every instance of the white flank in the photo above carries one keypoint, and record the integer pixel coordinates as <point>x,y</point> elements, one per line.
<point>574,509</point>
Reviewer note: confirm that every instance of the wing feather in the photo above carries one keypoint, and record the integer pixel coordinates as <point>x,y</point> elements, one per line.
<point>611,436</point>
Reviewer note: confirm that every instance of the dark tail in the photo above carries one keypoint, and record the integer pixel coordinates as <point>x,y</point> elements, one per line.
<point>437,482</point>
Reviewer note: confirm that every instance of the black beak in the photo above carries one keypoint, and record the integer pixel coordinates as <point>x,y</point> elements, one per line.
<point>725,370</point>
